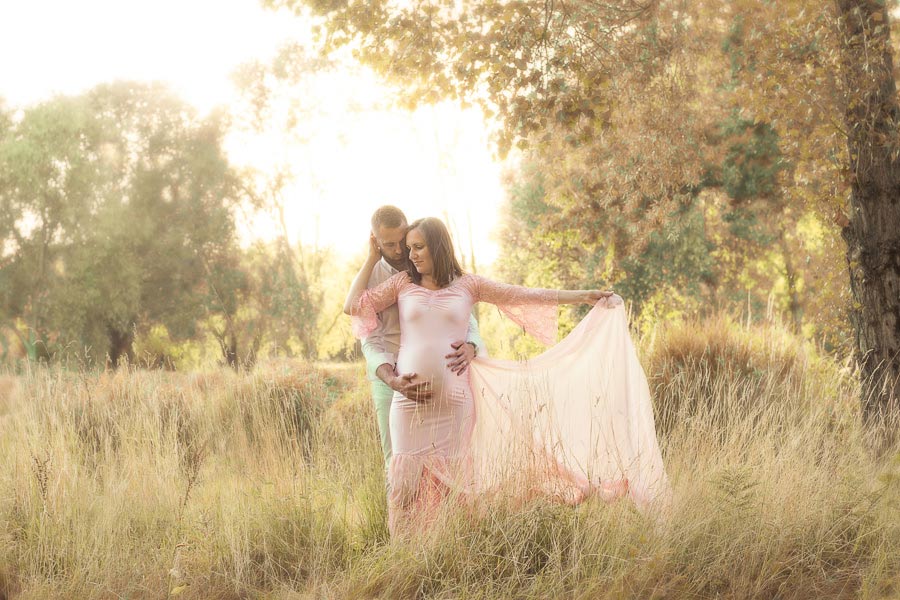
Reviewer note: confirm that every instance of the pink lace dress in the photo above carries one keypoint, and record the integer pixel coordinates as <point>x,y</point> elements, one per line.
<point>573,422</point>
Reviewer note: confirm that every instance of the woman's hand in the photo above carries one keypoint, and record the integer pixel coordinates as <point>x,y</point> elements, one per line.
<point>587,297</point>
<point>607,298</point>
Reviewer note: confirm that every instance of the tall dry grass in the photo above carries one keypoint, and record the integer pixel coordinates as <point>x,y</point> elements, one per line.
<point>223,485</point>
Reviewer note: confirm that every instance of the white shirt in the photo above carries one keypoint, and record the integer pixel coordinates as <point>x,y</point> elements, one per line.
<point>383,344</point>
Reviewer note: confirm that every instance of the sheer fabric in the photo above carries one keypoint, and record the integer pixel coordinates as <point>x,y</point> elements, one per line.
<point>574,422</point>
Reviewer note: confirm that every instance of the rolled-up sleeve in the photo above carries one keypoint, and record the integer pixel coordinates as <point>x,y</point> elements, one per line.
<point>376,355</point>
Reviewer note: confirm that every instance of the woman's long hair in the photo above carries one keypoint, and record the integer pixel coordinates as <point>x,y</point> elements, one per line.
<point>440,246</point>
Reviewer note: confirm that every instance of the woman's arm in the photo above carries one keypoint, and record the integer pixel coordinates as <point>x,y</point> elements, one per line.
<point>534,309</point>
<point>581,296</point>
<point>362,278</point>
<point>487,290</point>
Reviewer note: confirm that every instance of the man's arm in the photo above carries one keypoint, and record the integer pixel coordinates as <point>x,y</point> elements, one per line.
<point>474,336</point>
<point>383,360</point>
<point>373,348</point>
<point>418,391</point>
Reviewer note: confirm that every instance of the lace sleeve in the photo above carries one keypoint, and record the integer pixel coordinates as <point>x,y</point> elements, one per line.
<point>534,309</point>
<point>364,312</point>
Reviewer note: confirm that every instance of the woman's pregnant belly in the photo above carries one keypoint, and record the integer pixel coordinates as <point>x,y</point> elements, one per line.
<point>441,425</point>
<point>429,364</point>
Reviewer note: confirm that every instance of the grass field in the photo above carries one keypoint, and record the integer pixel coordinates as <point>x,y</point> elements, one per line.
<point>143,484</point>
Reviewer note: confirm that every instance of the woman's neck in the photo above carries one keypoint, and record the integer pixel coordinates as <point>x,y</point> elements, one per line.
<point>429,282</point>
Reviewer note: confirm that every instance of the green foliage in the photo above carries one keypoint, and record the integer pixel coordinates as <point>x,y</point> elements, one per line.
<point>726,242</point>
<point>263,297</point>
<point>751,164</point>
<point>45,188</point>
<point>686,137</point>
<point>116,203</point>
<point>676,260</point>
<point>156,349</point>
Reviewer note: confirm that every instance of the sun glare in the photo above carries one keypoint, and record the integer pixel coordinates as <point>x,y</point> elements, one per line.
<point>354,154</point>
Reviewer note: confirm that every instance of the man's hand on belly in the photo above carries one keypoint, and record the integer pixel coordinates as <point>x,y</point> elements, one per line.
<point>419,391</point>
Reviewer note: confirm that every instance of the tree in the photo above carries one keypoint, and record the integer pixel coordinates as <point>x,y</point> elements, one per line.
<point>169,202</point>
<point>257,302</point>
<point>712,243</point>
<point>872,230</point>
<point>622,100</point>
<point>276,101</point>
<point>47,179</point>
<point>114,202</point>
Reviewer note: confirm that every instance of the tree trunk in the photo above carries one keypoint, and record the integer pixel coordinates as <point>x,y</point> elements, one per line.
<point>790,272</point>
<point>121,345</point>
<point>873,232</point>
<point>229,345</point>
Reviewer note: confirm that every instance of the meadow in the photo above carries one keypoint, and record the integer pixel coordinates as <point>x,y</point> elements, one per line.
<point>268,484</point>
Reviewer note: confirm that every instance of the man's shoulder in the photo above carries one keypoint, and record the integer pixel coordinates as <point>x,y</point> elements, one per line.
<point>380,273</point>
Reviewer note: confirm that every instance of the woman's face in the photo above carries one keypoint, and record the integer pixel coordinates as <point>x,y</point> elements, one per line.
<point>418,252</point>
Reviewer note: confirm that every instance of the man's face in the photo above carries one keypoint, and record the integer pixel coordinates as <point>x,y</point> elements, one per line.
<point>392,243</point>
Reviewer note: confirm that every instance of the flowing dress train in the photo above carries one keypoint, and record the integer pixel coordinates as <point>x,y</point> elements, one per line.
<point>574,422</point>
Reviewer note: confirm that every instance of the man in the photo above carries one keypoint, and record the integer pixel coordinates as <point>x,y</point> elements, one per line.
<point>381,346</point>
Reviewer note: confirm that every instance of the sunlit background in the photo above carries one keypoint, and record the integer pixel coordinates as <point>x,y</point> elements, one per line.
<point>356,153</point>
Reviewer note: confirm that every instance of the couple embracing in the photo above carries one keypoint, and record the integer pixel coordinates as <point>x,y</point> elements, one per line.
<point>573,423</point>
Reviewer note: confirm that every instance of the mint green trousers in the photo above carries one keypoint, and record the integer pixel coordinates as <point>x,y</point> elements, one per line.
<point>382,396</point>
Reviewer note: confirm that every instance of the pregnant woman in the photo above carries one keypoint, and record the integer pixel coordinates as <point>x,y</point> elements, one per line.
<point>545,426</point>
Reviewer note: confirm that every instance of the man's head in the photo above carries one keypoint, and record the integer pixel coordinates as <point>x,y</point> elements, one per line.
<point>389,229</point>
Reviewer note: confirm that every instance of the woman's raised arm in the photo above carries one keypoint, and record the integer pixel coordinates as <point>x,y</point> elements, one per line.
<point>363,305</point>
<point>534,309</point>
<point>362,278</point>
<point>498,293</point>
<point>364,310</point>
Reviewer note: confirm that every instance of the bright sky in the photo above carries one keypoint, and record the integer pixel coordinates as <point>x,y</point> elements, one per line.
<point>435,162</point>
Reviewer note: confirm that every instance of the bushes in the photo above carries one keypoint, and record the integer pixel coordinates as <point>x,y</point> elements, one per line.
<point>720,375</point>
